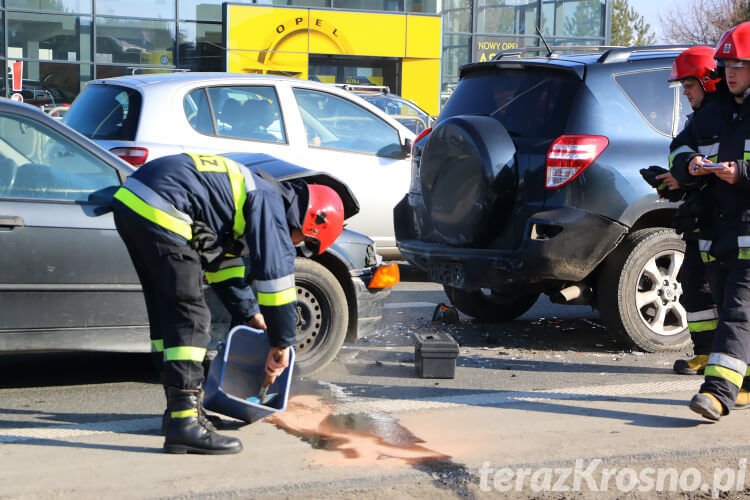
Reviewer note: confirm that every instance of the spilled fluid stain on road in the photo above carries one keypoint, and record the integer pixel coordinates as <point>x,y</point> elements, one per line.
<point>360,437</point>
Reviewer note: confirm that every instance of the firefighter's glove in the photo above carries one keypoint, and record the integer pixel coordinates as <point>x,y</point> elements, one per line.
<point>650,173</point>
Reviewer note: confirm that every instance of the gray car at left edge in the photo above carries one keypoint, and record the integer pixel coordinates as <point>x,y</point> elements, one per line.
<point>66,280</point>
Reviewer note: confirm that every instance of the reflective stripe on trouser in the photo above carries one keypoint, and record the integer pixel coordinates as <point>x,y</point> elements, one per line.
<point>727,364</point>
<point>171,277</point>
<point>702,315</point>
<point>743,251</point>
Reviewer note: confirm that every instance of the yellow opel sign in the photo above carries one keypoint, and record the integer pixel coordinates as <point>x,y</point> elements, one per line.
<point>280,40</point>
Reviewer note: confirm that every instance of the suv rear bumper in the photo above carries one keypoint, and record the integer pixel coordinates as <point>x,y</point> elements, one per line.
<point>563,244</point>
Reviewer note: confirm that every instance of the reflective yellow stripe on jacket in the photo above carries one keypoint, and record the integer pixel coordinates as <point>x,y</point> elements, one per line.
<point>155,215</point>
<point>230,268</point>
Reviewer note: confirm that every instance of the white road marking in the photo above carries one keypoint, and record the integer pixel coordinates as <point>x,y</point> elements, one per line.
<point>351,405</point>
<point>498,398</point>
<point>410,305</point>
<point>78,430</point>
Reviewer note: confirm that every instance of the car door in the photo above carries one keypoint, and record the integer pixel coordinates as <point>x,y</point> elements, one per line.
<point>65,277</point>
<point>354,144</point>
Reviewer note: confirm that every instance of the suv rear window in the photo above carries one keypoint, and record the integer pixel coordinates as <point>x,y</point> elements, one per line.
<point>107,112</point>
<point>528,102</point>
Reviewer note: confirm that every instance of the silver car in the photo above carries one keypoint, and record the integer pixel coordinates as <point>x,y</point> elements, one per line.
<point>322,127</point>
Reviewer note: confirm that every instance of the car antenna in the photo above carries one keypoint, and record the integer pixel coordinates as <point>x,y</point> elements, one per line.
<point>549,51</point>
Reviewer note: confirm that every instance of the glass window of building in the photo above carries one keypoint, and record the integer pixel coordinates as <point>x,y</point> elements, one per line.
<point>457,16</point>
<point>456,53</point>
<point>575,18</point>
<point>426,6</point>
<point>70,6</point>
<point>51,84</point>
<point>298,3</point>
<point>163,9</point>
<point>506,16</point>
<point>203,10</point>
<point>395,5</point>
<point>49,36</point>
<point>134,41</point>
<point>200,46</point>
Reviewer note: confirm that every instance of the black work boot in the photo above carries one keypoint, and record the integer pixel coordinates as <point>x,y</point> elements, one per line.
<point>213,422</point>
<point>187,432</point>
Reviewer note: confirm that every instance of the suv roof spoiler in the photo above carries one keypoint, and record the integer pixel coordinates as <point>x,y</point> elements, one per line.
<point>522,50</point>
<point>611,53</point>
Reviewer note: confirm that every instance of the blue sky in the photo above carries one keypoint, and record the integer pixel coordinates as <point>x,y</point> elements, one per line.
<point>650,10</point>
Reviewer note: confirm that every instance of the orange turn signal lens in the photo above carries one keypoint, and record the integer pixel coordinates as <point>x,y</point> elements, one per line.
<point>385,277</point>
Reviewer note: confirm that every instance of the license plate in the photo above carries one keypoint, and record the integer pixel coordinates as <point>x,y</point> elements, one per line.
<point>447,274</point>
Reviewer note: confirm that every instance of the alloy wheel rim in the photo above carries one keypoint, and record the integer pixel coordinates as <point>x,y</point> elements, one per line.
<point>657,294</point>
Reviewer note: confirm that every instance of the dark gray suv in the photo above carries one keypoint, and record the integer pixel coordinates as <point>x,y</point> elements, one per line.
<point>529,183</point>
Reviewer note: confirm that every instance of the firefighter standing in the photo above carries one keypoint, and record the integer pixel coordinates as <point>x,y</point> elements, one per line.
<point>181,214</point>
<point>720,132</point>
<point>694,69</point>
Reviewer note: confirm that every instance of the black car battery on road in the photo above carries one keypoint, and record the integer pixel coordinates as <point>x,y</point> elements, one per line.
<point>435,355</point>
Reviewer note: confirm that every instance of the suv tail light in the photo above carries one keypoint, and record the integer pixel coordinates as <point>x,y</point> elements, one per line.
<point>416,155</point>
<point>134,156</point>
<point>569,155</point>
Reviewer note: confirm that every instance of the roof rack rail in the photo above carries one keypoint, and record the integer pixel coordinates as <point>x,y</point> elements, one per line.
<point>159,69</point>
<point>522,50</point>
<point>623,53</point>
<point>364,87</point>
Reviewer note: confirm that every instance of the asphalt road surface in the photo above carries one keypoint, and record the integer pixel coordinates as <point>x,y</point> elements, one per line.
<point>548,405</point>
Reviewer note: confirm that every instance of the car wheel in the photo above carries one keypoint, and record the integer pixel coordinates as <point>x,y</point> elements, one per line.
<point>488,305</point>
<point>322,316</point>
<point>638,293</point>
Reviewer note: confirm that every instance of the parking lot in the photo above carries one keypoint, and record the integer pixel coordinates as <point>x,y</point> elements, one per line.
<point>540,391</point>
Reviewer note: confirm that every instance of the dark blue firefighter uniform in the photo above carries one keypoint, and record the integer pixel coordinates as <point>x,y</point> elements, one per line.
<point>702,314</point>
<point>183,214</point>
<point>721,131</point>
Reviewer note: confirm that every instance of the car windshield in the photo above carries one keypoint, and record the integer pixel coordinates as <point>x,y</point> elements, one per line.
<point>107,112</point>
<point>528,102</point>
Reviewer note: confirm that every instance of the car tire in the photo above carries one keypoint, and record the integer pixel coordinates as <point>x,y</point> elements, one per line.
<point>491,307</point>
<point>638,292</point>
<point>322,316</point>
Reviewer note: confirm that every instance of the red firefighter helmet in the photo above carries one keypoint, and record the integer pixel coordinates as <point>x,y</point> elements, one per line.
<point>734,44</point>
<point>696,62</point>
<point>324,219</point>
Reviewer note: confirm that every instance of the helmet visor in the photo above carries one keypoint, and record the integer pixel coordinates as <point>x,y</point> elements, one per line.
<point>731,63</point>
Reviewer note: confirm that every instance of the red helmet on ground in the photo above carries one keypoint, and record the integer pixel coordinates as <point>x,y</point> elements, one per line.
<point>696,62</point>
<point>734,44</point>
<point>324,219</point>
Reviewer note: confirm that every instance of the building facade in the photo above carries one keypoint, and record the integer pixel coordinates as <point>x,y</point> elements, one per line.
<point>65,43</point>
